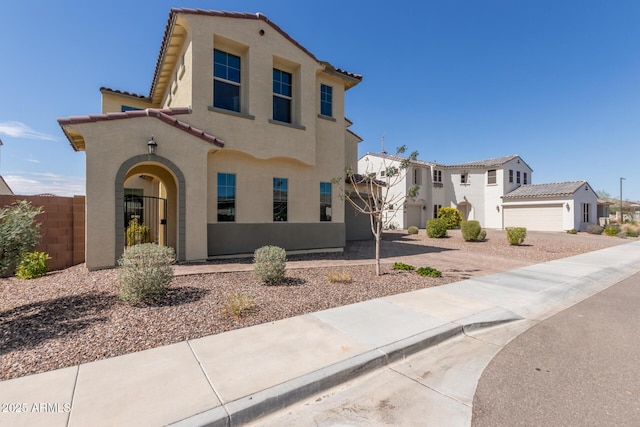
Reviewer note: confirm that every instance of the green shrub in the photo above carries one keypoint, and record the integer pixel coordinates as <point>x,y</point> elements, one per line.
<point>412,230</point>
<point>572,231</point>
<point>236,304</point>
<point>269,264</point>
<point>470,230</point>
<point>19,233</point>
<point>452,216</point>
<point>402,266</point>
<point>594,229</point>
<point>516,235</point>
<point>137,233</point>
<point>436,228</point>
<point>145,273</point>
<point>428,272</point>
<point>482,235</point>
<point>611,230</point>
<point>33,265</point>
<point>631,233</point>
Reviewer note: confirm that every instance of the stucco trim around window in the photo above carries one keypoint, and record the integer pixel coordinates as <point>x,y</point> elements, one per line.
<point>119,201</point>
<point>231,113</point>
<point>332,119</point>
<point>289,125</point>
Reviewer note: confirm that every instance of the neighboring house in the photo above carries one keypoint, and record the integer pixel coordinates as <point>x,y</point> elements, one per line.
<point>551,207</point>
<point>235,146</point>
<point>496,192</point>
<point>4,188</point>
<point>474,188</point>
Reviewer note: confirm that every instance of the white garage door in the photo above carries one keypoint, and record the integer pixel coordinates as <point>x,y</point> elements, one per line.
<point>540,217</point>
<point>413,217</point>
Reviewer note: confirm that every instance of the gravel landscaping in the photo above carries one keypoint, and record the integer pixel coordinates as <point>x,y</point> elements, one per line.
<point>74,316</point>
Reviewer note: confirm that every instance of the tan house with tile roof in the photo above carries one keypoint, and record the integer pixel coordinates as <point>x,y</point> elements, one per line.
<point>235,146</point>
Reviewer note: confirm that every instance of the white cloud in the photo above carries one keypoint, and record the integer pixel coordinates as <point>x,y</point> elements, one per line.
<point>20,130</point>
<point>29,183</point>
<point>32,160</point>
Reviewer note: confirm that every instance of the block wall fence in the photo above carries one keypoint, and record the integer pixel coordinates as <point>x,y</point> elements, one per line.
<point>62,228</point>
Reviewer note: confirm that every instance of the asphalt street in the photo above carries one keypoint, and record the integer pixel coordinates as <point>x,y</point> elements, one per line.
<point>580,367</point>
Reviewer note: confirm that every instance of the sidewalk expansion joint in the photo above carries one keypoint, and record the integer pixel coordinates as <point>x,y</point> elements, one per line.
<point>207,377</point>
<point>73,394</point>
<point>429,387</point>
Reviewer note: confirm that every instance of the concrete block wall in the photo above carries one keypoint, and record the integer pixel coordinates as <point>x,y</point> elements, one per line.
<point>62,229</point>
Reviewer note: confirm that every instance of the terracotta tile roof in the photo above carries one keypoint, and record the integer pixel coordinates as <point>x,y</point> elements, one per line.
<point>166,115</point>
<point>545,190</point>
<point>121,92</point>
<point>239,15</point>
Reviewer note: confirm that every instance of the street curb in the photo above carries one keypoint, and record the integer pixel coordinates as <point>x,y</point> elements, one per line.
<point>249,408</point>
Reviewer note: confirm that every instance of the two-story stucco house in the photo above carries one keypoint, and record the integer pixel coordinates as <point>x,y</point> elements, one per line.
<point>496,192</point>
<point>235,146</point>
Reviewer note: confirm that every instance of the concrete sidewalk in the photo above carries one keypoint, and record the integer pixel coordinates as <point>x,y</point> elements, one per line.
<point>238,376</point>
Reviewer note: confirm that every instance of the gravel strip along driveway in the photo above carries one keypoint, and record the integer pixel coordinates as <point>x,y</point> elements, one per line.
<point>74,316</point>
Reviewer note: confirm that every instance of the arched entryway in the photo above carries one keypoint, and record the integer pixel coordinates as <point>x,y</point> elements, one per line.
<point>162,180</point>
<point>465,210</point>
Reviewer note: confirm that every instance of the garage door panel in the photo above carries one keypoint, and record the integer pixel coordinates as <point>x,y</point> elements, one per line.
<point>539,218</point>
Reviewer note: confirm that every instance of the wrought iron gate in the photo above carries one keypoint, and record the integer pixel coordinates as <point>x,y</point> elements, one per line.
<point>151,215</point>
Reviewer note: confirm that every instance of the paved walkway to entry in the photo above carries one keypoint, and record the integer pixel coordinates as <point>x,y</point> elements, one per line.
<point>241,375</point>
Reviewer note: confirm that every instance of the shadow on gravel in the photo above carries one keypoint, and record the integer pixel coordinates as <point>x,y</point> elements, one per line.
<point>179,296</point>
<point>32,324</point>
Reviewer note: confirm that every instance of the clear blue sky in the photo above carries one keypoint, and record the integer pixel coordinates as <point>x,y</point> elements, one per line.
<point>557,82</point>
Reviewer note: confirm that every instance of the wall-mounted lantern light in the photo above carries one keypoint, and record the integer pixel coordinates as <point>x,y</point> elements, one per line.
<point>498,208</point>
<point>568,206</point>
<point>152,145</point>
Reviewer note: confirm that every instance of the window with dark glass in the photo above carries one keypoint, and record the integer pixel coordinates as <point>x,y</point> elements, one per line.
<point>282,92</point>
<point>226,81</point>
<point>437,176</point>
<point>491,176</point>
<point>518,177</point>
<point>326,100</point>
<point>510,176</point>
<point>226,197</point>
<point>325,201</point>
<point>464,178</point>
<point>585,212</point>
<point>524,178</point>
<point>280,190</point>
<point>436,210</point>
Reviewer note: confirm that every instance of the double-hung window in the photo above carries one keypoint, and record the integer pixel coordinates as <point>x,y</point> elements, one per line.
<point>280,191</point>
<point>326,100</point>
<point>585,212</point>
<point>325,201</point>
<point>226,197</point>
<point>510,176</point>
<point>436,210</point>
<point>491,176</point>
<point>437,176</point>
<point>282,96</point>
<point>525,180</point>
<point>226,81</point>
<point>518,177</point>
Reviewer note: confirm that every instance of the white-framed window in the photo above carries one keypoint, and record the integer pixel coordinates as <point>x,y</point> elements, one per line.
<point>416,177</point>
<point>436,210</point>
<point>586,212</point>
<point>491,177</point>
<point>282,95</point>
<point>226,81</point>
<point>518,177</point>
<point>437,175</point>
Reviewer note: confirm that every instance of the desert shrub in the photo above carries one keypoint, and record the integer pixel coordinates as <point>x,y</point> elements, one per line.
<point>611,230</point>
<point>436,228</point>
<point>412,230</point>
<point>428,272</point>
<point>631,233</point>
<point>339,277</point>
<point>482,235</point>
<point>516,235</point>
<point>19,233</point>
<point>594,229</point>
<point>33,265</point>
<point>137,233</point>
<point>237,304</point>
<point>145,272</point>
<point>269,264</point>
<point>470,230</point>
<point>402,266</point>
<point>572,231</point>
<point>452,216</point>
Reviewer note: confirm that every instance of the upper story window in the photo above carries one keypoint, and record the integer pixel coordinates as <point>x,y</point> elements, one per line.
<point>280,199</point>
<point>326,100</point>
<point>124,108</point>
<point>510,176</point>
<point>491,176</point>
<point>417,177</point>
<point>325,201</point>
<point>524,178</point>
<point>226,81</point>
<point>282,95</point>
<point>437,176</point>
<point>518,177</point>
<point>226,197</point>
<point>464,178</point>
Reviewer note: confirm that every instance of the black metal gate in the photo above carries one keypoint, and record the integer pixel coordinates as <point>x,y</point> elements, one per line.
<point>150,215</point>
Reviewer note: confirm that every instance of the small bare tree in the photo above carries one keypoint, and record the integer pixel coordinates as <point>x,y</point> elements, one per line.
<point>369,191</point>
